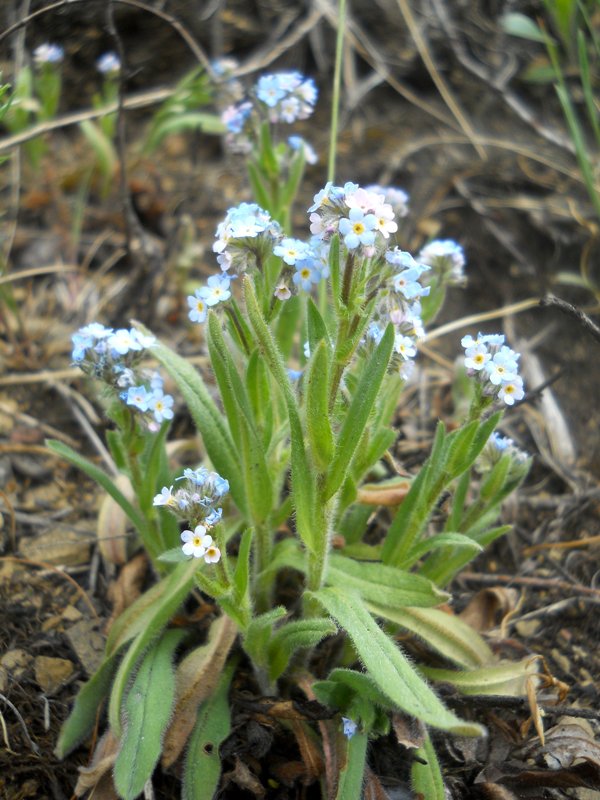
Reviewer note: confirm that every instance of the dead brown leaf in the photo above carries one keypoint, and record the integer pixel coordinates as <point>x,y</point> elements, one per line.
<point>111,529</point>
<point>409,731</point>
<point>196,678</point>
<point>373,790</point>
<point>309,750</point>
<point>245,779</point>
<point>98,776</point>
<point>127,587</point>
<point>488,607</point>
<point>388,493</point>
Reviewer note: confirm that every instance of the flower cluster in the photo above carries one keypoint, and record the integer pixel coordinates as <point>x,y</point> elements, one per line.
<point>48,53</point>
<point>495,366</point>
<point>113,356</point>
<point>245,239</point>
<point>362,218</point>
<point>279,97</point>
<point>109,64</point>
<point>196,501</point>
<point>446,259</point>
<point>289,96</point>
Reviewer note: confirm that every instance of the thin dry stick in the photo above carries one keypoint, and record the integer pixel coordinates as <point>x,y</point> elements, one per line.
<point>498,313</point>
<point>35,271</point>
<point>437,78</point>
<point>141,100</point>
<point>534,583</point>
<point>572,311</point>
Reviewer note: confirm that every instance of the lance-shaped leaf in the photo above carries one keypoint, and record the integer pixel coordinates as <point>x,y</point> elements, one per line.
<point>196,679</point>
<point>358,413</point>
<point>352,766</point>
<point>295,636</point>
<point>317,329</point>
<point>382,584</point>
<point>447,634</point>
<point>387,665</point>
<point>318,426</point>
<point>80,722</point>
<point>303,483</point>
<point>159,614</point>
<point>440,540</point>
<point>257,481</point>
<point>509,678</point>
<point>146,712</point>
<point>202,762</point>
<point>425,773</point>
<point>207,418</point>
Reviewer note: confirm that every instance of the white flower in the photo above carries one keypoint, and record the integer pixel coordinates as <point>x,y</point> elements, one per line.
<point>196,542</point>
<point>165,498</point>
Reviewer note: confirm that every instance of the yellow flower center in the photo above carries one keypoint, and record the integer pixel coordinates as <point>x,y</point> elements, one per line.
<point>358,228</point>
<point>197,541</point>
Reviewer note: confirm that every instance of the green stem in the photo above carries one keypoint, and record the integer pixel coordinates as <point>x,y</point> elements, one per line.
<point>263,550</point>
<point>337,81</point>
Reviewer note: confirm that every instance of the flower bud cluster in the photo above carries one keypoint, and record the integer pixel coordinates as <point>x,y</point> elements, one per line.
<point>495,366</point>
<point>114,356</point>
<point>446,259</point>
<point>196,502</point>
<point>397,198</point>
<point>399,303</point>
<point>498,446</point>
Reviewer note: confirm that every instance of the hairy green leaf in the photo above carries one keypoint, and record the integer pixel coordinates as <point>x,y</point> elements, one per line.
<point>158,615</point>
<point>146,712</point>
<point>80,722</point>
<point>387,665</point>
<point>425,773</point>
<point>294,636</point>
<point>320,435</point>
<point>446,633</point>
<point>202,762</point>
<point>383,584</point>
<point>358,413</point>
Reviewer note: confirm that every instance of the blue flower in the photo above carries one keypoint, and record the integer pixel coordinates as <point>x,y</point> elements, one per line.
<point>307,274</point>
<point>108,64</point>
<point>269,90</point>
<point>138,397</point>
<point>161,405</point>
<point>350,727</point>
<point>358,228</point>
<point>291,250</point>
<point>198,306</point>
